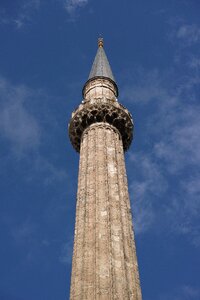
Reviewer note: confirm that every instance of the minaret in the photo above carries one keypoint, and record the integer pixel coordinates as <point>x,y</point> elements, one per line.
<point>104,258</point>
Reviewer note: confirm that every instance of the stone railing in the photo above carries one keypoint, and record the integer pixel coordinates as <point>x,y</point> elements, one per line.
<point>101,110</point>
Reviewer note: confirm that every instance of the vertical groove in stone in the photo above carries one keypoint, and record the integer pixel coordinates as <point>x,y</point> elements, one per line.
<point>78,239</point>
<point>88,272</point>
<point>129,244</point>
<point>104,258</point>
<point>116,226</point>
<point>96,219</point>
<point>133,269</point>
<point>83,197</point>
<point>109,151</point>
<point>95,216</point>
<point>108,212</point>
<point>119,156</point>
<point>83,221</point>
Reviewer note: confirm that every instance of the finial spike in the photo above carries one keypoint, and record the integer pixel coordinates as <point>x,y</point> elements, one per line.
<point>100,42</point>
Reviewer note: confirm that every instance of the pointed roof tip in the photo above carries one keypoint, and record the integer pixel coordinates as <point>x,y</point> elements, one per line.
<point>101,66</point>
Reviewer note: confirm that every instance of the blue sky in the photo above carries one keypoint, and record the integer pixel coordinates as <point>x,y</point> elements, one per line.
<point>47,49</point>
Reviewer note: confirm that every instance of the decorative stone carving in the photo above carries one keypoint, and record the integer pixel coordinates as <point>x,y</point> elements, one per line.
<point>101,110</point>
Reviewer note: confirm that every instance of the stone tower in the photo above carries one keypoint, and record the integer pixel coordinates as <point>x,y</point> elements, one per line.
<point>104,258</point>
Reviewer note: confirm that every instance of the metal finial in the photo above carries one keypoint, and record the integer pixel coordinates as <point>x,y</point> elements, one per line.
<point>100,42</point>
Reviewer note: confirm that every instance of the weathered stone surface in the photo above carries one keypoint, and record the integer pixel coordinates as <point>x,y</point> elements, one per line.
<point>100,86</point>
<point>104,258</point>
<point>104,263</point>
<point>101,110</point>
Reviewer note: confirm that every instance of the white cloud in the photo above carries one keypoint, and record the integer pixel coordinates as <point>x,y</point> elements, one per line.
<point>50,173</point>
<point>185,292</point>
<point>66,252</point>
<point>165,182</point>
<point>194,62</point>
<point>26,11</point>
<point>17,124</point>
<point>24,232</point>
<point>23,15</point>
<point>147,88</point>
<point>179,145</point>
<point>21,132</point>
<point>147,184</point>
<point>189,33</point>
<point>193,186</point>
<point>72,5</point>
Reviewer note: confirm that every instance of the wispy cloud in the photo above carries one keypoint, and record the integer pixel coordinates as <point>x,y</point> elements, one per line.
<point>23,15</point>
<point>50,173</point>
<point>26,10</point>
<point>22,133</point>
<point>66,252</point>
<point>31,240</point>
<point>165,182</point>
<point>25,236</point>
<point>24,232</point>
<point>148,184</point>
<point>185,39</point>
<point>179,147</point>
<point>17,124</point>
<point>71,6</point>
<point>189,33</point>
<point>147,87</point>
<point>185,292</point>
<point>194,62</point>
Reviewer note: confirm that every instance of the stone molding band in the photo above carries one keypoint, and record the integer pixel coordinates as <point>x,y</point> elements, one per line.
<point>100,77</point>
<point>90,113</point>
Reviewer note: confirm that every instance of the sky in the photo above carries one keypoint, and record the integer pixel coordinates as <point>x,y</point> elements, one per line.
<point>47,49</point>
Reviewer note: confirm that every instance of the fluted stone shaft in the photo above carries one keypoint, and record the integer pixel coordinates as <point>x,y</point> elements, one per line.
<point>104,258</point>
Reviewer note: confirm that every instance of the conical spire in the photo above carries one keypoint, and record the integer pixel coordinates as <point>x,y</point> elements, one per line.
<point>101,66</point>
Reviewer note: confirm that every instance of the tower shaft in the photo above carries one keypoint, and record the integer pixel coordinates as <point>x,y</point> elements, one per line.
<point>104,263</point>
<point>104,259</point>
